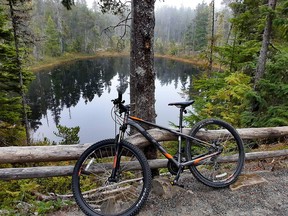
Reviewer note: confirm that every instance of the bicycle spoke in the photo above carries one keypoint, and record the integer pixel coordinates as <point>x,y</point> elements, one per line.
<point>223,168</point>
<point>111,196</point>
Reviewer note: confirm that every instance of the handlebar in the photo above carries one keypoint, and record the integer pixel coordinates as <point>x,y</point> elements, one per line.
<point>118,102</point>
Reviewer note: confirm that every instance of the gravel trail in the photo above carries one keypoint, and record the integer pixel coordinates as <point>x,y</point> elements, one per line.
<point>268,198</point>
<point>195,199</point>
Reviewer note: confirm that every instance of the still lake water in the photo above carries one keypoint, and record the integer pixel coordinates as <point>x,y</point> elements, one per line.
<point>80,94</point>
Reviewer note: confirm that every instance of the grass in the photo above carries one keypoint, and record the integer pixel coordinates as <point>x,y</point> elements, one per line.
<point>29,196</point>
<point>50,62</point>
<point>273,147</point>
<point>195,60</point>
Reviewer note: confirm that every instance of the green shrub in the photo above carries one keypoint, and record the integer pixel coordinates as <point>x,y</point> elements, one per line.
<point>220,95</point>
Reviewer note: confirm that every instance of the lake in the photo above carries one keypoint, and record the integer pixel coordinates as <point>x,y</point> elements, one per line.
<point>80,94</point>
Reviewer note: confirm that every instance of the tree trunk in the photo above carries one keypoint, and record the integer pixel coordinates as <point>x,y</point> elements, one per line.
<point>142,74</point>
<point>142,77</point>
<point>59,26</point>
<point>15,25</point>
<point>265,43</point>
<point>212,36</point>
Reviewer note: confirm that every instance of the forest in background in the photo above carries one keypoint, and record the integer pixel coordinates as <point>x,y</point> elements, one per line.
<point>248,88</point>
<point>45,29</point>
<point>229,38</point>
<point>88,30</point>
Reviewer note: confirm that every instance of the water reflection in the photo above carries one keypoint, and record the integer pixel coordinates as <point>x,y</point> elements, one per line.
<point>80,94</point>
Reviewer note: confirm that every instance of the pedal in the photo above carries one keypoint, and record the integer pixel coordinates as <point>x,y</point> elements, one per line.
<point>176,184</point>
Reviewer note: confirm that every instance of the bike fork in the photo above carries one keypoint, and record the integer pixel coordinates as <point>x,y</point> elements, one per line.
<point>116,161</point>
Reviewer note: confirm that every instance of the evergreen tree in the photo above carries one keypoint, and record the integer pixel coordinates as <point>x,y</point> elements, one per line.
<point>281,21</point>
<point>201,26</point>
<point>189,38</point>
<point>271,96</point>
<point>69,135</point>
<point>52,44</point>
<point>229,94</point>
<point>10,102</point>
<point>265,43</point>
<point>19,23</point>
<point>11,130</point>
<point>220,95</point>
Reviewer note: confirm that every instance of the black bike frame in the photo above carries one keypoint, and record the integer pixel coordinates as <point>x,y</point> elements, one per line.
<point>133,122</point>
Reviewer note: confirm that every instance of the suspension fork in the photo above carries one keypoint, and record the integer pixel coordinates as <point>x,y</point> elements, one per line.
<point>117,157</point>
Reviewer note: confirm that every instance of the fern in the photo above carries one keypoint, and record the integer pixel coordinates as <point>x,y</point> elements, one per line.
<point>223,95</point>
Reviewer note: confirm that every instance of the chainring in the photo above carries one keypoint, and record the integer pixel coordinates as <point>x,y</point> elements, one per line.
<point>172,168</point>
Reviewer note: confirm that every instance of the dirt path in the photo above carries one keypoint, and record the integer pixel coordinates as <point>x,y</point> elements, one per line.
<point>267,198</point>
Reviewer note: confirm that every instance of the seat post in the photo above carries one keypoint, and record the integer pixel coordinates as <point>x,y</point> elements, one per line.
<point>179,137</point>
<point>181,119</point>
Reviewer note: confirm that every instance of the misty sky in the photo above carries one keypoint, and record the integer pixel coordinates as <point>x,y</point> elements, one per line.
<point>176,3</point>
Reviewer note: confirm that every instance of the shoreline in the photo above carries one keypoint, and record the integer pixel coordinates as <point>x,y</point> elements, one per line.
<point>70,58</point>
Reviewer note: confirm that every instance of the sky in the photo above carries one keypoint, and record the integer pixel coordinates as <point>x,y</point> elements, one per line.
<point>177,3</point>
<point>186,3</point>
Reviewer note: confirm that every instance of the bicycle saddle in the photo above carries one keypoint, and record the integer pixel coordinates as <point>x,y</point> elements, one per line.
<point>182,105</point>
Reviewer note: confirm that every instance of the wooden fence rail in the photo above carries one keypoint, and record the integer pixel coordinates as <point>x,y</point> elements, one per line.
<point>26,154</point>
<point>54,171</point>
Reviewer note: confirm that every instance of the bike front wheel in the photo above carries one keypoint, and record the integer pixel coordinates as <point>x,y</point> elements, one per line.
<point>95,192</point>
<point>219,137</point>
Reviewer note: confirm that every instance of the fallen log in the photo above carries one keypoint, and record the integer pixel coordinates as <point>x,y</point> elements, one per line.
<point>56,171</point>
<point>16,154</point>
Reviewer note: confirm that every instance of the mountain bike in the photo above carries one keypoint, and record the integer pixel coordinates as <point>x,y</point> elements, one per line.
<point>113,177</point>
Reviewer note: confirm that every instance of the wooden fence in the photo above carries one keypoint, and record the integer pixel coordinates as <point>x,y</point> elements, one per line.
<point>26,154</point>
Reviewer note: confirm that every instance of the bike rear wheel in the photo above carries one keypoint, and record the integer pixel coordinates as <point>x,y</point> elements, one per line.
<point>95,192</point>
<point>222,169</point>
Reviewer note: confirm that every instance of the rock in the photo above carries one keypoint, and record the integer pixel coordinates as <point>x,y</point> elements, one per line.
<point>161,186</point>
<point>245,180</point>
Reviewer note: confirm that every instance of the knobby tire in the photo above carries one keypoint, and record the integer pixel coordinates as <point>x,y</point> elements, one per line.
<point>96,195</point>
<point>220,170</point>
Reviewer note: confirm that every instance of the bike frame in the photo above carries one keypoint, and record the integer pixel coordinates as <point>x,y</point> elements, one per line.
<point>134,122</point>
